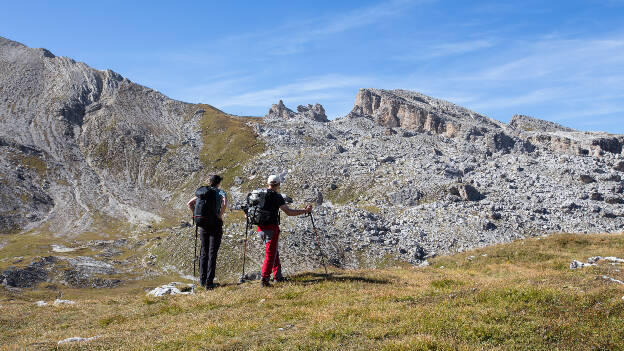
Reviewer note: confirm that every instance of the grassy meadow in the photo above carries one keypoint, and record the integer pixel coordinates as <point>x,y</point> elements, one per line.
<point>516,296</point>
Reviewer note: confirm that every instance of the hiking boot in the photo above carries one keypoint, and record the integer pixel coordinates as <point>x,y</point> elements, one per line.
<point>211,286</point>
<point>265,283</point>
<point>280,279</point>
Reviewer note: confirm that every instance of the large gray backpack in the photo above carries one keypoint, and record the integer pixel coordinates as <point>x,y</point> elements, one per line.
<point>256,212</point>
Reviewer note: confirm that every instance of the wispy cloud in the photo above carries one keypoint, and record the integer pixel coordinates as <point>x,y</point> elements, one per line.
<point>565,58</point>
<point>291,38</point>
<point>365,16</point>
<point>433,50</point>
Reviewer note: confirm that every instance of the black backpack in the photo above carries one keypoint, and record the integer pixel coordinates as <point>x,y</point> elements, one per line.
<point>255,209</point>
<point>205,213</point>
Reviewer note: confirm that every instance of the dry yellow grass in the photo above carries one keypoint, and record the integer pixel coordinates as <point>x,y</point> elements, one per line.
<point>518,296</point>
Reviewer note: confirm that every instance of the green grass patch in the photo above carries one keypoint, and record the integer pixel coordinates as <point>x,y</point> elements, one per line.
<point>228,142</point>
<point>507,297</point>
<point>31,162</point>
<point>446,283</point>
<point>116,319</point>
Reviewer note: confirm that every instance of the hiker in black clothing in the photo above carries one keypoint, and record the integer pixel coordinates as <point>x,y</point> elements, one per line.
<point>211,236</point>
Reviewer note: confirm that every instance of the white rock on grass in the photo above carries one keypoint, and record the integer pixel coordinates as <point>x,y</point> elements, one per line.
<point>77,339</point>
<point>41,303</point>
<point>578,264</point>
<point>61,248</point>
<point>169,289</point>
<point>612,259</point>
<point>59,302</point>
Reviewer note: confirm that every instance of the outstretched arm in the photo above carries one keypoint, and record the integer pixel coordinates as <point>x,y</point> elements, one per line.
<point>191,204</point>
<point>293,212</point>
<point>223,206</point>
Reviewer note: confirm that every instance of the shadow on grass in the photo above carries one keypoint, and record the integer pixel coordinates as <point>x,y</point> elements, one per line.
<point>315,278</point>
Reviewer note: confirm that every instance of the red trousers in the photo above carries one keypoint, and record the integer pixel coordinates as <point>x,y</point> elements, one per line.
<point>271,254</point>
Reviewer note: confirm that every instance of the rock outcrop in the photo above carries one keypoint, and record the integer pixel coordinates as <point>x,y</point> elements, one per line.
<point>414,111</point>
<point>314,112</point>
<point>280,110</point>
<point>558,138</point>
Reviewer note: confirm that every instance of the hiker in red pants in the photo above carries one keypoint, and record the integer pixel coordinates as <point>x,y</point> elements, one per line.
<point>269,232</point>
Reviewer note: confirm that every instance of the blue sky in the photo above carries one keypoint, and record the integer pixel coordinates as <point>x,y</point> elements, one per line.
<point>558,60</point>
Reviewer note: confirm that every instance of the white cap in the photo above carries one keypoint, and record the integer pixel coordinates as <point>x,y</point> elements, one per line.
<point>273,179</point>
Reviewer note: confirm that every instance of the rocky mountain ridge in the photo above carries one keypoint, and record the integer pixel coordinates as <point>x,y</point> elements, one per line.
<point>82,142</point>
<point>91,158</point>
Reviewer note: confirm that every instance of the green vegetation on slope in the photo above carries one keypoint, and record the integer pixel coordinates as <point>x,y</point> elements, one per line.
<point>34,163</point>
<point>518,296</point>
<point>228,142</point>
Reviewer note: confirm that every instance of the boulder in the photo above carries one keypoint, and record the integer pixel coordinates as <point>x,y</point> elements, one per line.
<point>612,145</point>
<point>77,339</point>
<point>495,216</point>
<point>596,196</point>
<point>614,200</point>
<point>171,289</point>
<point>587,179</point>
<point>578,264</point>
<point>405,197</point>
<point>612,178</point>
<point>489,226</point>
<point>340,149</point>
<point>387,159</point>
<point>466,191</point>
<point>501,142</point>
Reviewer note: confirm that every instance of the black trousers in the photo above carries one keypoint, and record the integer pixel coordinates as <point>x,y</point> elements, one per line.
<point>210,240</point>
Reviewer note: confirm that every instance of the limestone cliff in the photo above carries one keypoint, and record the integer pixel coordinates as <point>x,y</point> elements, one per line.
<point>418,112</point>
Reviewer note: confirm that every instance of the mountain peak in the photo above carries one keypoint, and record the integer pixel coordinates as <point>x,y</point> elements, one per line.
<point>415,111</point>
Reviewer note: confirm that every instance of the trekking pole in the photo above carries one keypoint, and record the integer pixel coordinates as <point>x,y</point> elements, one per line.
<point>195,257</point>
<point>242,278</point>
<point>318,242</point>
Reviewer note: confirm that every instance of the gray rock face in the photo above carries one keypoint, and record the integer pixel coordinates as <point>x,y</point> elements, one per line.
<point>414,111</point>
<point>77,144</point>
<point>315,113</point>
<point>280,111</point>
<point>28,276</point>
<point>79,272</point>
